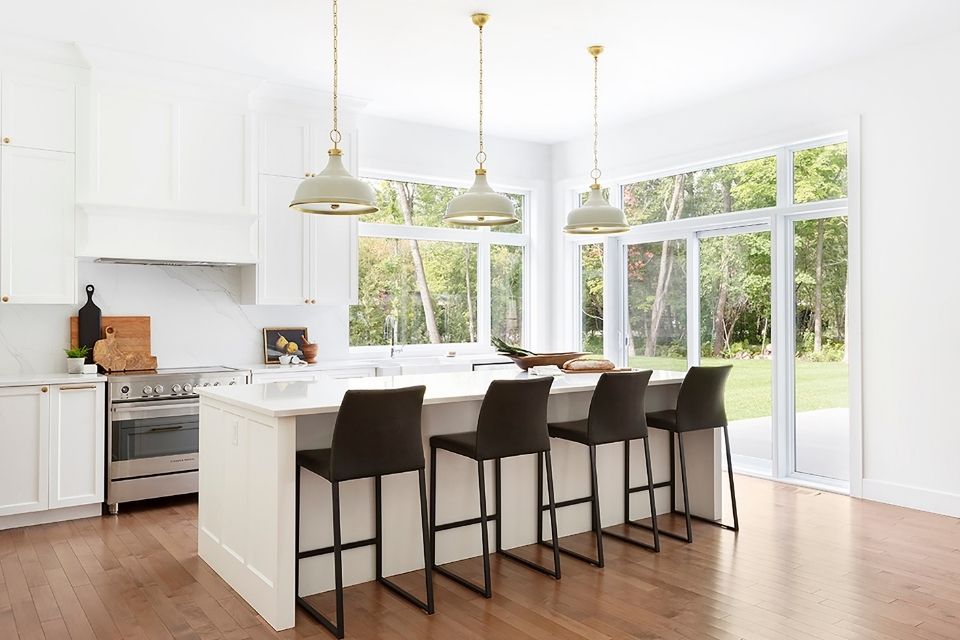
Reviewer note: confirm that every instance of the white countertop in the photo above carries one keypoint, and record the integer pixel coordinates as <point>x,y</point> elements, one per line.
<point>367,363</point>
<point>284,399</point>
<point>31,379</point>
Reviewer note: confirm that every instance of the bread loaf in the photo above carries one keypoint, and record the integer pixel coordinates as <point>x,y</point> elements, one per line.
<point>585,364</point>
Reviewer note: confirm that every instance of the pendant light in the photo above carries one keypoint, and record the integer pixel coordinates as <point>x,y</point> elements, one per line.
<point>596,216</point>
<point>334,191</point>
<point>480,206</point>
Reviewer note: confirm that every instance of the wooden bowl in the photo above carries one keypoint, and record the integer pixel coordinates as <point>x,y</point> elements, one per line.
<point>544,359</point>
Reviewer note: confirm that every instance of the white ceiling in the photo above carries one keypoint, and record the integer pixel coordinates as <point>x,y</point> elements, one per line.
<point>416,60</point>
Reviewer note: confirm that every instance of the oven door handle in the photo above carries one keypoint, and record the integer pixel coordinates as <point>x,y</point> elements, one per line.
<point>155,410</point>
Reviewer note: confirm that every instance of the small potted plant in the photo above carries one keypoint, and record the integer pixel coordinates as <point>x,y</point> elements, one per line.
<point>76,356</point>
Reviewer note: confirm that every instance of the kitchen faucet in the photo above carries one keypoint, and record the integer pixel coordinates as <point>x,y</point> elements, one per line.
<point>391,324</point>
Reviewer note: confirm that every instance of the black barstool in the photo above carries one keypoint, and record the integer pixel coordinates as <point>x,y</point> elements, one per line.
<point>616,415</point>
<point>513,422</point>
<point>377,433</point>
<point>700,406</point>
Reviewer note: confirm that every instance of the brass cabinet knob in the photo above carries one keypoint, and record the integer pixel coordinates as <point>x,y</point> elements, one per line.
<point>6,141</point>
<point>313,302</point>
<point>306,301</point>
<point>5,298</point>
<point>43,389</point>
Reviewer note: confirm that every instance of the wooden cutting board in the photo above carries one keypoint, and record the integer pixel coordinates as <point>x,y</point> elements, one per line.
<point>133,332</point>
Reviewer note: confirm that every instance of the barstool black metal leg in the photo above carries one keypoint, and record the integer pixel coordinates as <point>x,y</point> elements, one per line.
<point>433,508</point>
<point>427,544</point>
<point>553,516</point>
<point>335,628</point>
<point>595,504</point>
<point>485,535</point>
<point>626,481</point>
<point>686,494</point>
<point>733,491</point>
<point>378,525</point>
<point>497,504</point>
<point>555,573</point>
<point>539,496</point>
<point>673,473</point>
<point>653,497</point>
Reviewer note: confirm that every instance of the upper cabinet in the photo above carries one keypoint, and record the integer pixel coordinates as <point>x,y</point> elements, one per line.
<point>162,150</point>
<point>285,146</point>
<point>37,191</point>
<point>37,114</point>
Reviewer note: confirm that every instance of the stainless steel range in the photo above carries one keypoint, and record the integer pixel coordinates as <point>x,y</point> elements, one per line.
<point>153,431</point>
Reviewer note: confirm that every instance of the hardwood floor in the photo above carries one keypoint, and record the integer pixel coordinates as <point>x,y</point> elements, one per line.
<point>806,564</point>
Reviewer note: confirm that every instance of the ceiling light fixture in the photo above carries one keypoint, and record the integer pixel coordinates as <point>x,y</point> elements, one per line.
<point>334,191</point>
<point>596,216</point>
<point>480,206</point>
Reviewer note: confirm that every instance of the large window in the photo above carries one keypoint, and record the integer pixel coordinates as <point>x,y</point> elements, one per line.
<point>437,284</point>
<point>741,263</point>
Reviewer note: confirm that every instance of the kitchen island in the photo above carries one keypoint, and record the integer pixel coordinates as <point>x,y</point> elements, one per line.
<point>248,441</point>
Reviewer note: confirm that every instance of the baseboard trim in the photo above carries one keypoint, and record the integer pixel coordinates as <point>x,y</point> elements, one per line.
<point>50,515</point>
<point>941,502</point>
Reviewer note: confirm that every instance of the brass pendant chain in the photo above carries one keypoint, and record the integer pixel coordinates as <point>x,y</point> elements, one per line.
<point>481,156</point>
<point>595,174</point>
<point>335,132</point>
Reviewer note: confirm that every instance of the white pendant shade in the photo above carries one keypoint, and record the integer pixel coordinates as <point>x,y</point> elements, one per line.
<point>596,216</point>
<point>334,191</point>
<point>480,206</point>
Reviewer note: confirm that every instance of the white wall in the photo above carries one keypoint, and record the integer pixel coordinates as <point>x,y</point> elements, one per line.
<point>908,102</point>
<point>196,317</point>
<point>447,156</point>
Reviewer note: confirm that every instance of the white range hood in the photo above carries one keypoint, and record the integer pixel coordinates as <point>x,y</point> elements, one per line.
<point>122,234</point>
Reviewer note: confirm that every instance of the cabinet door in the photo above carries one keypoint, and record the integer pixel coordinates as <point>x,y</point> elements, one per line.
<point>77,428</point>
<point>38,114</point>
<point>214,159</point>
<point>24,440</point>
<point>333,270</point>
<point>283,273</point>
<point>285,147</point>
<point>37,263</point>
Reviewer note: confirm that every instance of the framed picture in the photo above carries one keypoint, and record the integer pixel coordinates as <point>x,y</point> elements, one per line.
<point>283,341</point>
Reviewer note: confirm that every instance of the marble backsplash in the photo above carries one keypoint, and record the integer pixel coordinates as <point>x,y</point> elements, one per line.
<point>196,319</point>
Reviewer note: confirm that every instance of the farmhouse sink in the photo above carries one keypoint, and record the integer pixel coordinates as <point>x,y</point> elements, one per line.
<point>417,365</point>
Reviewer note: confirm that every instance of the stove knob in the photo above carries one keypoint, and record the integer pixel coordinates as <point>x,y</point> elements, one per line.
<point>176,388</point>
<point>206,384</point>
<point>217,383</point>
<point>147,390</point>
<point>124,389</point>
<point>187,388</point>
<point>233,382</point>
<point>158,389</point>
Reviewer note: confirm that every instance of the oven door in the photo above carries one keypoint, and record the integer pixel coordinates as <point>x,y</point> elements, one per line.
<point>154,437</point>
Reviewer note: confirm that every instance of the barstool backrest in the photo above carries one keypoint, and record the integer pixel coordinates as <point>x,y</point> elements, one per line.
<point>513,418</point>
<point>617,410</point>
<point>377,433</point>
<point>700,401</point>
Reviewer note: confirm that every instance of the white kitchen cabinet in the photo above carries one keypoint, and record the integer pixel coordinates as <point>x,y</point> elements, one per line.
<point>38,113</point>
<point>24,443</point>
<point>285,146</point>
<point>304,258</point>
<point>37,212</point>
<point>76,444</point>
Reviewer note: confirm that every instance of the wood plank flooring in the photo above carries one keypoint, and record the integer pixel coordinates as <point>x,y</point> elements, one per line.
<point>805,565</point>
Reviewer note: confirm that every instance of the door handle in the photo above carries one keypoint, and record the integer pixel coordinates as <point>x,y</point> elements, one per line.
<point>78,387</point>
<point>160,429</point>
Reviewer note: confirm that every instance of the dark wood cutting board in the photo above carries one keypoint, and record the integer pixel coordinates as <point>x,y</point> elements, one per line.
<point>88,321</point>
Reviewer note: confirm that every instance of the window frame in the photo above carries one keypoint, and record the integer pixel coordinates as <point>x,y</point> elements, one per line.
<point>779,220</point>
<point>483,237</point>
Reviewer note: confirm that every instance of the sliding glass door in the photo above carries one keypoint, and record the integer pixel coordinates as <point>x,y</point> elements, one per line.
<point>735,329</point>
<point>821,414</point>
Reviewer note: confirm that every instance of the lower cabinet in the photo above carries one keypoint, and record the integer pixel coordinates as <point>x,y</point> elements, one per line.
<point>51,447</point>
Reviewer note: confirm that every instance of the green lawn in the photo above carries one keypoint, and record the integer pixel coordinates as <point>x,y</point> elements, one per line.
<point>820,385</point>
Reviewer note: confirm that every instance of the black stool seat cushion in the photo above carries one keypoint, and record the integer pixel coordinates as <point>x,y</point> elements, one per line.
<point>663,419</point>
<point>575,430</point>
<point>464,444</point>
<point>315,460</point>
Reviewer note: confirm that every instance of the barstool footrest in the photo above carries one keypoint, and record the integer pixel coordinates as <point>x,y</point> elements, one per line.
<point>661,530</point>
<point>530,563</point>
<point>567,503</point>
<point>461,580</point>
<point>574,554</point>
<point>322,551</point>
<point>646,487</point>
<point>336,630</point>
<point>403,593</point>
<point>463,523</point>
